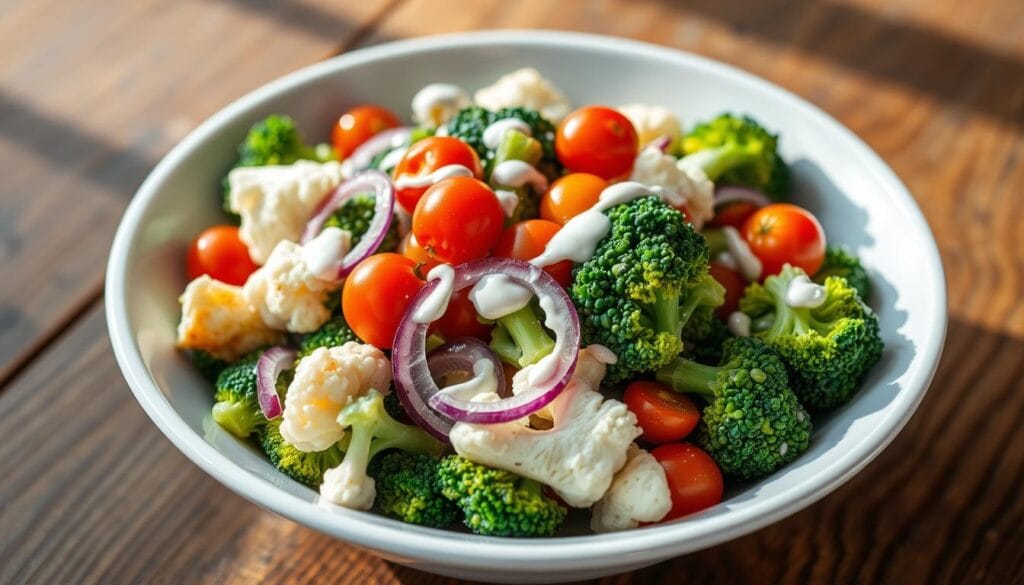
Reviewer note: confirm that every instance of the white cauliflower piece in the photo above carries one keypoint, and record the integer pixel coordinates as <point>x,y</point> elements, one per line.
<point>652,122</point>
<point>275,202</point>
<point>639,493</point>
<point>217,319</point>
<point>326,381</point>
<point>690,185</point>
<point>578,456</point>
<point>349,486</point>
<point>526,88</point>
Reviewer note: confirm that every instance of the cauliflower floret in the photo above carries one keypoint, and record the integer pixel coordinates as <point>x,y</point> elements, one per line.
<point>639,493</point>
<point>657,169</point>
<point>526,88</point>
<point>348,486</point>
<point>275,202</point>
<point>326,381</point>
<point>216,318</point>
<point>578,456</point>
<point>652,122</point>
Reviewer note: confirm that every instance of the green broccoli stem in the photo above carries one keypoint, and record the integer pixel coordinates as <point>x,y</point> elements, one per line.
<point>716,242</point>
<point>788,320</point>
<point>667,314</point>
<point>503,346</point>
<point>531,340</point>
<point>434,341</point>
<point>391,434</point>
<point>238,418</point>
<point>684,375</point>
<point>715,162</point>
<point>518,146</point>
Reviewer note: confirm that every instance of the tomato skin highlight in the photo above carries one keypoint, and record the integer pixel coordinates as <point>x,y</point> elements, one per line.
<point>458,219</point>
<point>428,155</point>
<point>570,196</point>
<point>664,416</point>
<point>460,320</point>
<point>597,140</point>
<point>220,252</point>
<point>527,239</point>
<point>376,295</point>
<point>734,284</point>
<point>358,125</point>
<point>694,478</point>
<point>783,233</point>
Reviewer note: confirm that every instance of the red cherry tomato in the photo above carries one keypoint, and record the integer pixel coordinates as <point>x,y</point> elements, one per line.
<point>734,214</point>
<point>597,140</point>
<point>570,196</point>
<point>219,252</point>
<point>428,155</point>
<point>358,125</point>
<point>411,249</point>
<point>782,233</point>
<point>460,320</point>
<point>376,295</point>
<point>665,416</point>
<point>458,219</point>
<point>693,478</point>
<point>734,284</point>
<point>526,240</point>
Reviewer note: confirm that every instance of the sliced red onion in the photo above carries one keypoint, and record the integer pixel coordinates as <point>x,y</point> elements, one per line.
<point>460,355</point>
<point>270,365</point>
<point>436,411</point>
<point>727,194</point>
<point>661,142</point>
<point>389,139</point>
<point>383,213</point>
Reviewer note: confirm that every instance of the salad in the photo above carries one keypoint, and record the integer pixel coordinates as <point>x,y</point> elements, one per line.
<point>512,309</point>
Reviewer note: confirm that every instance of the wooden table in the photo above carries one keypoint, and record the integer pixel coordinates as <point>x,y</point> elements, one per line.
<point>93,93</point>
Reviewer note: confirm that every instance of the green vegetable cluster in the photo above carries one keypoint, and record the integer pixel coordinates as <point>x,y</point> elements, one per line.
<point>737,150</point>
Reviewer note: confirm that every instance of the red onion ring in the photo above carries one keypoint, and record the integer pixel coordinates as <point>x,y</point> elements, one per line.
<point>361,158</point>
<point>383,214</point>
<point>268,367</point>
<point>460,355</point>
<point>435,411</point>
<point>727,194</point>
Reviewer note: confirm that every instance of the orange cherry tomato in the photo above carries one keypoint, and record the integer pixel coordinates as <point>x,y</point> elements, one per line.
<point>734,284</point>
<point>458,219</point>
<point>570,196</point>
<point>527,239</point>
<point>219,252</point>
<point>428,155</point>
<point>411,249</point>
<point>664,415</point>
<point>358,125</point>
<point>597,140</point>
<point>733,214</point>
<point>376,295</point>
<point>694,478</point>
<point>460,320</point>
<point>783,233</point>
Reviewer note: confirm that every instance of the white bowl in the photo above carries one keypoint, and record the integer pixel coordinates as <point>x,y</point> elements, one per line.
<point>858,198</point>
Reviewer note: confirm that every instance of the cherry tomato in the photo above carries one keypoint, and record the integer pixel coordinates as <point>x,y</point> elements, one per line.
<point>428,155</point>
<point>376,294</point>
<point>781,233</point>
<point>665,416</point>
<point>734,214</point>
<point>460,320</point>
<point>693,478</point>
<point>570,196</point>
<point>734,284</point>
<point>598,140</point>
<point>526,240</point>
<point>219,252</point>
<point>358,125</point>
<point>411,249</point>
<point>459,219</point>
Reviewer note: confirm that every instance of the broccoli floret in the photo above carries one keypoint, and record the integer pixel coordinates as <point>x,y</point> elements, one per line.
<point>753,423</point>
<point>306,468</point>
<point>704,336</point>
<point>518,146</point>
<point>644,281</point>
<point>738,151</point>
<point>209,366</point>
<point>408,488</point>
<point>469,124</point>
<point>496,502</point>
<point>844,263</point>
<point>520,339</point>
<point>355,216</point>
<point>827,349</point>
<point>237,408</point>
<point>333,333</point>
<point>541,130</point>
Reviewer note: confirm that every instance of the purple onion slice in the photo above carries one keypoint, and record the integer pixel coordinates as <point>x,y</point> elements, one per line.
<point>270,365</point>
<point>727,194</point>
<point>361,158</point>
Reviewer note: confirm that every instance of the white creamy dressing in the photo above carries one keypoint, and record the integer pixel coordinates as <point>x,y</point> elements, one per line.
<point>497,295</point>
<point>445,172</point>
<point>435,103</point>
<point>726,259</point>
<point>516,173</point>
<point>802,293</point>
<point>322,253</point>
<point>509,201</point>
<point>602,353</point>
<point>556,318</point>
<point>392,158</point>
<point>739,324</point>
<point>436,303</point>
<point>746,262</point>
<point>495,133</point>
<point>483,382</point>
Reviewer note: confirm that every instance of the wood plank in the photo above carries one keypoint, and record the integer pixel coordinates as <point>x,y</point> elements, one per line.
<point>96,92</point>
